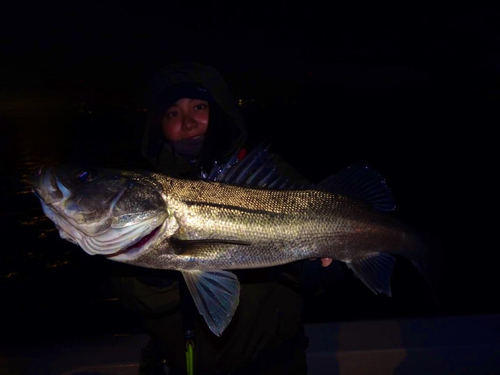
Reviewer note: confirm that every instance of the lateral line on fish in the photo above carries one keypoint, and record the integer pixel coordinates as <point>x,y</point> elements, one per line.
<point>209,241</point>
<point>226,206</point>
<point>196,216</point>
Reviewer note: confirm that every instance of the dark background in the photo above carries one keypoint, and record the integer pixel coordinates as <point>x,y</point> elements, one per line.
<point>412,90</point>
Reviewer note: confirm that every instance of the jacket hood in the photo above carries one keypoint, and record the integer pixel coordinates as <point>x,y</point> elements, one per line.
<point>226,131</point>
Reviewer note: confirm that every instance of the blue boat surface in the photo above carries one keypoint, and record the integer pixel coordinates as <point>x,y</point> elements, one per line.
<point>468,344</point>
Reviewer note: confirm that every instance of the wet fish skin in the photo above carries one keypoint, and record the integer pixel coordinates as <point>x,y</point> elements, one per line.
<point>252,228</point>
<point>204,228</point>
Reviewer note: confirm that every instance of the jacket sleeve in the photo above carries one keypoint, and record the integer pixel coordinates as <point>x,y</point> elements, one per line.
<point>146,293</point>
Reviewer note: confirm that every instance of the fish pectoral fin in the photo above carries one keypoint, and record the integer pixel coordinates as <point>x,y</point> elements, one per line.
<point>216,294</point>
<point>375,272</point>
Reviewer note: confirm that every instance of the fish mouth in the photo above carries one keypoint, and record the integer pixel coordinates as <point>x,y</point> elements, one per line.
<point>125,242</point>
<point>138,247</point>
<point>109,225</point>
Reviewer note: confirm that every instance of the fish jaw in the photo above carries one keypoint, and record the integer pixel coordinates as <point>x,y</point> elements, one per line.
<point>102,222</point>
<point>156,239</point>
<point>110,242</point>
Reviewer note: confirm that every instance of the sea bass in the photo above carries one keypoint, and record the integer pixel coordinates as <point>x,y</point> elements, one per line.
<point>205,228</point>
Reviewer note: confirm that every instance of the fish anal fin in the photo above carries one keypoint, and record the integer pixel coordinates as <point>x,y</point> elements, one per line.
<point>216,295</point>
<point>375,271</point>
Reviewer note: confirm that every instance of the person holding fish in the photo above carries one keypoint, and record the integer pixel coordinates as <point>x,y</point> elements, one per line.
<point>250,214</point>
<point>194,122</point>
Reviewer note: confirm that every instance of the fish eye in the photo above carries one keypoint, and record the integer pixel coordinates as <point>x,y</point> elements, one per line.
<point>84,176</point>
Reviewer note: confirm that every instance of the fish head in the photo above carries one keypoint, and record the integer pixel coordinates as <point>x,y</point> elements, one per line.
<point>106,212</point>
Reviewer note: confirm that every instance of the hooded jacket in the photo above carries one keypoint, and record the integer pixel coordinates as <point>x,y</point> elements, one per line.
<point>265,336</point>
<point>226,132</point>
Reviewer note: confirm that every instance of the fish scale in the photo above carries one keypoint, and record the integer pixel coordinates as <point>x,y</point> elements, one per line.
<point>277,227</point>
<point>204,229</point>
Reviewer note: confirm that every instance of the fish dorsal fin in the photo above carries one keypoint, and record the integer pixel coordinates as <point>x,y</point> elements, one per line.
<point>363,183</point>
<point>216,294</point>
<point>375,272</point>
<point>249,165</point>
<point>219,171</point>
<point>259,168</point>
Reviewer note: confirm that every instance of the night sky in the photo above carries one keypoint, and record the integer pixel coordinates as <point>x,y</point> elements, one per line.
<point>105,41</point>
<point>412,90</point>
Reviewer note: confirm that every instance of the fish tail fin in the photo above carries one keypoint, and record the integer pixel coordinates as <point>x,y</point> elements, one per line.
<point>424,253</point>
<point>376,269</point>
<point>428,260</point>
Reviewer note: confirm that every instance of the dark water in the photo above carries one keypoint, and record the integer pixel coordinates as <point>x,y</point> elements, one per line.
<point>51,288</point>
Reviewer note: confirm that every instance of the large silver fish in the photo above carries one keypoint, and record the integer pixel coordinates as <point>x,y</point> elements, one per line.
<point>204,228</point>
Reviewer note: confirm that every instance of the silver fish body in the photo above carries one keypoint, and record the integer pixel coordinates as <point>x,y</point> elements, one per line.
<point>222,226</point>
<point>203,228</point>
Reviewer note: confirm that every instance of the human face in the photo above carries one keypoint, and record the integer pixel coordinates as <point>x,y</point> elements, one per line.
<point>185,119</point>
